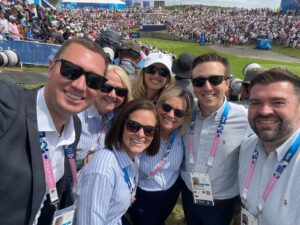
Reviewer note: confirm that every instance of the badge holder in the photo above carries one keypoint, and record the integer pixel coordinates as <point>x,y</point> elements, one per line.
<point>247,218</point>
<point>64,216</point>
<point>202,191</point>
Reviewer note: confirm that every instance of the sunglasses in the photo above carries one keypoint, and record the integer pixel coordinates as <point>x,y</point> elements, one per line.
<point>106,88</point>
<point>163,71</point>
<point>134,127</point>
<point>177,112</point>
<point>73,72</point>
<point>214,80</point>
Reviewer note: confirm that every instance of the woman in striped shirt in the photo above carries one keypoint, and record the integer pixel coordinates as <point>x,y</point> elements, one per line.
<point>97,119</point>
<point>107,184</point>
<point>159,182</point>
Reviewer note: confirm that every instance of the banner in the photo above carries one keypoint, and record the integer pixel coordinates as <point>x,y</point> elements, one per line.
<point>290,5</point>
<point>31,52</point>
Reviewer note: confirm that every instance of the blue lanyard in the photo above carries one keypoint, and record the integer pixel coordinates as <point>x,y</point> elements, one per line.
<point>216,141</point>
<point>162,161</point>
<point>276,175</point>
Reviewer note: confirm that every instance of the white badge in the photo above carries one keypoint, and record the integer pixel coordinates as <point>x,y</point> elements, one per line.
<point>247,218</point>
<point>64,216</point>
<point>202,190</point>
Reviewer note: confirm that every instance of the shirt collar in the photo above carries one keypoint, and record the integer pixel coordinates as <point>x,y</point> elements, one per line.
<point>215,115</point>
<point>283,148</point>
<point>123,158</point>
<point>45,122</point>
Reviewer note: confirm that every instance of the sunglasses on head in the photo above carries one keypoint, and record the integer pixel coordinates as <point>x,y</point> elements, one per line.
<point>163,71</point>
<point>73,72</point>
<point>177,112</point>
<point>214,80</point>
<point>106,88</point>
<point>134,127</point>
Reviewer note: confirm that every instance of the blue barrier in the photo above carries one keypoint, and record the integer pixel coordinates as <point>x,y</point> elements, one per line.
<point>153,27</point>
<point>263,43</point>
<point>31,52</point>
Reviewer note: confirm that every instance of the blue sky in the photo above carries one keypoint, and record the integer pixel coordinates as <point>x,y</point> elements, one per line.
<point>273,4</point>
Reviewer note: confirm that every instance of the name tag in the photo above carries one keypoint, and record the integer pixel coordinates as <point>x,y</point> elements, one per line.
<point>247,218</point>
<point>202,191</point>
<point>64,216</point>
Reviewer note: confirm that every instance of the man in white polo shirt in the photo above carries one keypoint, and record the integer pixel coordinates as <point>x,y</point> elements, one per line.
<point>270,162</point>
<point>212,146</point>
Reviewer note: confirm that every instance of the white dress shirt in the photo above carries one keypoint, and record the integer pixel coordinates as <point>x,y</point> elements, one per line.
<point>223,174</point>
<point>282,207</point>
<point>55,141</point>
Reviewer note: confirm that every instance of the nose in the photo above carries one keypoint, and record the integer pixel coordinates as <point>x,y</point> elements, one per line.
<point>113,93</point>
<point>80,83</point>
<point>140,132</point>
<point>207,85</point>
<point>171,113</point>
<point>266,109</point>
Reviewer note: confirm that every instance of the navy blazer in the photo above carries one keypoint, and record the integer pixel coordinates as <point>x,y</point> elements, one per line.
<point>22,179</point>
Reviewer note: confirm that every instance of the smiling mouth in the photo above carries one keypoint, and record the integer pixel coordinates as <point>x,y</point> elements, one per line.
<point>73,96</point>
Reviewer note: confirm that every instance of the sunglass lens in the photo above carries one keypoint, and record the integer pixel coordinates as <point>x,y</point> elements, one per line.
<point>132,126</point>
<point>106,88</point>
<point>178,113</point>
<point>121,92</point>
<point>149,131</point>
<point>215,80</point>
<point>70,70</point>
<point>198,82</point>
<point>164,72</point>
<point>166,107</point>
<point>150,69</point>
<point>94,81</point>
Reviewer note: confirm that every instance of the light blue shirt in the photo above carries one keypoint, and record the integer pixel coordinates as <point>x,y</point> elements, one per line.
<point>167,176</point>
<point>283,203</point>
<point>94,129</point>
<point>223,174</point>
<point>104,195</point>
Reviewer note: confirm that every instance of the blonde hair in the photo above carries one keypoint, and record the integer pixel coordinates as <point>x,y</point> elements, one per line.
<point>140,92</point>
<point>188,97</point>
<point>124,79</point>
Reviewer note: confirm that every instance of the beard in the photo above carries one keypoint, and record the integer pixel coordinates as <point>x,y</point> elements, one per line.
<point>271,133</point>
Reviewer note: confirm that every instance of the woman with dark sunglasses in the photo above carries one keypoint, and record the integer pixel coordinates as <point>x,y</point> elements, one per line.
<point>155,77</point>
<point>107,185</point>
<point>97,119</point>
<point>159,182</point>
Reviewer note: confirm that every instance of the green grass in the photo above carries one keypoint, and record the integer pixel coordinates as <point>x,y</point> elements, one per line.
<point>287,51</point>
<point>237,63</point>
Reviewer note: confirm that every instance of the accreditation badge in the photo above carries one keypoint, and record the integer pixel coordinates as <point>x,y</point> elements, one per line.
<point>247,218</point>
<point>202,190</point>
<point>64,216</point>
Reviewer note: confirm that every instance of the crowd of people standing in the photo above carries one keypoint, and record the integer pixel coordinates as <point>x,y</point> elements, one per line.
<point>220,26</point>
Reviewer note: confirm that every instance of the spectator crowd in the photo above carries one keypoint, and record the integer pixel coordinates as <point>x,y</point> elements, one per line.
<point>23,21</point>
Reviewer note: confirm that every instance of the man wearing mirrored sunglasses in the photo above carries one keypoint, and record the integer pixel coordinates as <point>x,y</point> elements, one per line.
<point>38,133</point>
<point>212,146</point>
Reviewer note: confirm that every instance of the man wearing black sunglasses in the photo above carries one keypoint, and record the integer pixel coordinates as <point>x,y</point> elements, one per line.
<point>38,133</point>
<point>212,145</point>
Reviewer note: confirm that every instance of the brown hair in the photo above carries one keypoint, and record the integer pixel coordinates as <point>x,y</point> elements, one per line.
<point>91,45</point>
<point>115,134</point>
<point>212,57</point>
<point>276,75</point>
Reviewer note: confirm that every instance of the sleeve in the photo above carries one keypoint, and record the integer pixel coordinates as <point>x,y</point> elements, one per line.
<point>8,106</point>
<point>94,200</point>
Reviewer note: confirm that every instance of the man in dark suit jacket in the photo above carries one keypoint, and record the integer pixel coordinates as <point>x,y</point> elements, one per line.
<point>73,78</point>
